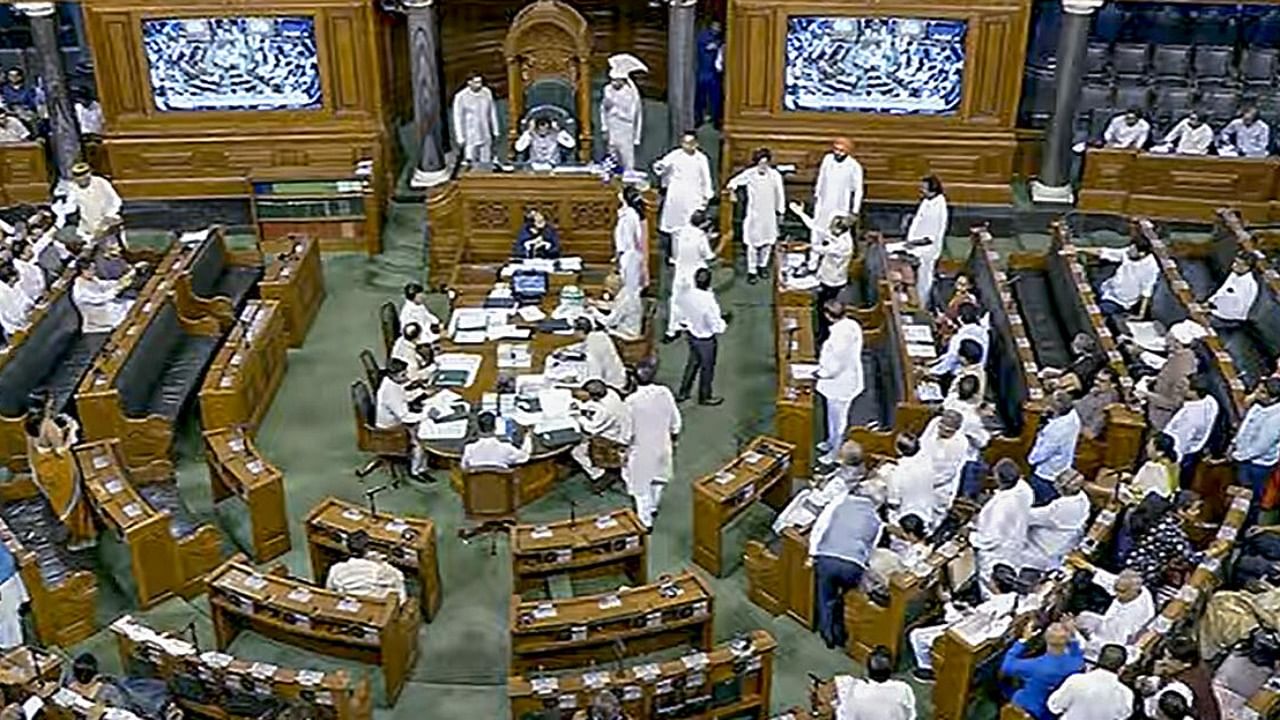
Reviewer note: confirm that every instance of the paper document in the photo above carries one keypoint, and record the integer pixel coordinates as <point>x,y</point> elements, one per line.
<point>452,430</point>
<point>514,355</point>
<point>928,391</point>
<point>470,337</point>
<point>555,401</point>
<point>921,350</point>
<point>1148,335</point>
<point>914,333</point>
<point>457,369</point>
<point>194,237</point>
<point>804,371</point>
<point>503,332</point>
<point>1152,360</point>
<point>531,313</point>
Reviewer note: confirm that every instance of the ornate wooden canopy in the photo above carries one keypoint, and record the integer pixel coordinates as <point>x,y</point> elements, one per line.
<point>549,40</point>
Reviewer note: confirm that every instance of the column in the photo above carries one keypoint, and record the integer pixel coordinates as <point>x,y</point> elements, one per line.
<point>428,115</point>
<point>1054,183</point>
<point>681,64</point>
<point>62,118</point>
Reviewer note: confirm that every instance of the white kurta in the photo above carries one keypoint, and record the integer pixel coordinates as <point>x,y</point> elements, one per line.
<point>622,118</point>
<point>12,596</point>
<point>911,491</point>
<point>765,202</point>
<point>1233,300</point>
<point>687,178</point>
<point>1001,529</point>
<point>603,361</point>
<point>1055,529</point>
<point>929,223</point>
<point>366,578</point>
<point>475,123</point>
<point>1094,695</point>
<point>100,308</point>
<point>840,361</point>
<point>862,699</point>
<point>30,278</point>
<point>625,317</point>
<point>1121,135</point>
<point>493,452</point>
<point>412,312</point>
<point>690,251</point>
<point>14,308</point>
<point>1187,140</point>
<point>96,203</point>
<point>838,190</point>
<point>947,457</point>
<point>655,418</point>
<point>1120,622</point>
<point>392,406</point>
<point>631,246</point>
<point>404,349</point>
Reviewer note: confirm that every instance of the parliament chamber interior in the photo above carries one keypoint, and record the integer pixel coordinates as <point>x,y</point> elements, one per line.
<point>639,360</point>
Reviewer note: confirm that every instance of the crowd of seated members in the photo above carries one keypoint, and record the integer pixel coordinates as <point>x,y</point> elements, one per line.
<point>1247,135</point>
<point>24,114</point>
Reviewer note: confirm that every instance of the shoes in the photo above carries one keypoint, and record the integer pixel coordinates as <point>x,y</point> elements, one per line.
<point>924,675</point>
<point>422,478</point>
<point>752,279</point>
<point>712,401</point>
<point>682,397</point>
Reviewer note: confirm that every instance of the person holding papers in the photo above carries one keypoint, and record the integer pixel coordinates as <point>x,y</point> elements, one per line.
<point>490,451</point>
<point>1000,606</point>
<point>1229,306</point>
<point>831,249</point>
<point>839,374</point>
<point>394,409</point>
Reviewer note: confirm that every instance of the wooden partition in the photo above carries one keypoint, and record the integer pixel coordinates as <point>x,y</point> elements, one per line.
<point>212,252</point>
<point>62,613</point>
<point>242,381</point>
<point>971,149</point>
<point>331,695</point>
<point>1178,187</point>
<point>781,580</point>
<point>161,563</point>
<point>795,399</point>
<point>760,472</point>
<point>613,543</point>
<point>237,468</point>
<point>24,173</point>
<point>733,680</point>
<point>294,277</point>
<point>408,543</point>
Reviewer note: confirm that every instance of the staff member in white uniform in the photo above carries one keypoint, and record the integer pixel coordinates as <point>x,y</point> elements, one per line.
<point>840,379</point>
<point>838,190</point>
<point>655,422</point>
<point>604,415</point>
<point>1055,529</point>
<point>686,174</point>
<point>705,322</point>
<point>766,202</point>
<point>365,573</point>
<point>395,409</point>
<point>1134,281</point>
<point>925,235</point>
<point>691,251</point>
<point>1097,694</point>
<point>489,451</point>
<point>1229,305</point>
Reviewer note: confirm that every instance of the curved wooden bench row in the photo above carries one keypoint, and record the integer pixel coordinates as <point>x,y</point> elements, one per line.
<point>247,371</point>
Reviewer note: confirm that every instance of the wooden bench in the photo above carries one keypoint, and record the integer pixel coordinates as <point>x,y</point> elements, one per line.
<point>376,631</point>
<point>169,552</point>
<point>760,472</point>
<point>408,543</point>
<point>732,680</point>
<point>210,684</point>
<point>1176,187</point>
<point>613,543</point>
<point>63,587</point>
<point>781,580</point>
<point>236,468</point>
<point>577,631</point>
<point>295,279</point>
<point>246,371</point>
<point>214,281</point>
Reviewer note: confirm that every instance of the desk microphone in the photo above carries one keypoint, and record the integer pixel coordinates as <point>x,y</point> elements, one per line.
<point>573,512</point>
<point>370,494</point>
<point>191,629</point>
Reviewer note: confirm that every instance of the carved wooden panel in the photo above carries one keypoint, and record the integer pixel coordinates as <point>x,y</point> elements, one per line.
<point>344,73</point>
<point>489,215</point>
<point>549,209</point>
<point>1178,187</point>
<point>128,87</point>
<point>597,215</point>
<point>24,174</point>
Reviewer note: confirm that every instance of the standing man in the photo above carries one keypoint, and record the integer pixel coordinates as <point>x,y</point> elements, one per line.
<point>830,250</point>
<point>766,202</point>
<point>686,175</point>
<point>1095,695</point>
<point>1055,447</point>
<point>1256,447</point>
<point>1055,529</point>
<point>622,110</point>
<point>655,421</point>
<point>690,252</point>
<point>879,697</point>
<point>838,190</point>
<point>710,69</point>
<point>840,544</point>
<point>97,200</point>
<point>475,121</point>
<point>704,322</point>
<point>631,240</point>
<point>1191,426</point>
<point>1001,528</point>
<point>925,235</point>
<point>840,378</point>
<point>1042,674</point>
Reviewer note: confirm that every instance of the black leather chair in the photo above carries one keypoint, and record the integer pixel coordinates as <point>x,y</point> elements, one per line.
<point>1038,96</point>
<point>1258,67</point>
<point>389,317</point>
<point>165,367</point>
<point>372,373</point>
<point>1049,338</point>
<point>1096,61</point>
<point>1214,65</point>
<point>211,276</point>
<point>1219,106</point>
<point>1171,64</point>
<point>1133,96</point>
<point>1109,23</point>
<point>1130,60</point>
<point>389,446</point>
<point>1214,25</point>
<point>1161,25</point>
<point>1095,97</point>
<point>50,362</point>
<point>1171,104</point>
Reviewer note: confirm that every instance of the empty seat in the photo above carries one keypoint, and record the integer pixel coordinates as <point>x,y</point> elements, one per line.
<point>1108,23</point>
<point>164,497</point>
<point>1258,66</point>
<point>1161,25</point>
<point>1095,61</point>
<point>1037,96</point>
<point>1133,97</point>
<point>1261,29</point>
<point>1214,26</point>
<point>1213,64</point>
<point>1098,121</point>
<point>1129,60</point>
<point>1093,97</point>
<point>1171,103</point>
<point>1171,63</point>
<point>1219,106</point>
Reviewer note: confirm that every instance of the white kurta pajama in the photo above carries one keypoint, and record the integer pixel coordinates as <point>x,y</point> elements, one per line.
<point>687,178</point>
<point>13,595</point>
<point>101,308</point>
<point>690,251</point>
<point>608,418</point>
<point>1233,300</point>
<point>1001,530</point>
<point>1120,622</point>
<point>631,247</point>
<point>840,379</point>
<point>1055,529</point>
<point>929,223</point>
<point>96,203</point>
<point>14,308</point>
<point>30,278</point>
<point>622,117</point>
<point>475,123</point>
<point>603,361</point>
<point>391,409</point>
<point>766,200</point>
<point>838,190</point>
<point>655,419</point>
<point>413,312</point>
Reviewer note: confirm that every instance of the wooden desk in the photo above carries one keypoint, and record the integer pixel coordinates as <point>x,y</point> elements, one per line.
<point>63,613</point>
<point>727,682</point>
<point>1177,187</point>
<point>409,543</point>
<point>162,564</point>
<point>782,580</point>
<point>242,381</point>
<point>784,295</point>
<point>608,544</point>
<point>24,173</point>
<point>577,631</point>
<point>761,471</point>
<point>378,631</point>
<point>794,399</point>
<point>329,695</point>
<point>237,468</point>
<point>296,281</point>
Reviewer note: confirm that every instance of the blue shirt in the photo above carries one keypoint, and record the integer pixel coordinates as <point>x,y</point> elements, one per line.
<point>709,42</point>
<point>1055,447</point>
<point>1258,439</point>
<point>1040,676</point>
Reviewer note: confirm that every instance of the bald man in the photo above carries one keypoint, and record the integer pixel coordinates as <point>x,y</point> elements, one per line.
<point>1130,610</point>
<point>807,504</point>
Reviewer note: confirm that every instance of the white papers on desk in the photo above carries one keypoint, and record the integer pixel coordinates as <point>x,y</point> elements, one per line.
<point>531,313</point>
<point>470,337</point>
<point>531,383</point>
<point>555,401</point>
<point>443,402</point>
<point>914,333</point>
<point>925,351</point>
<point>804,371</point>
<point>1152,360</point>
<point>508,332</point>
<point>468,319</point>
<point>801,282</point>
<point>452,430</point>
<point>1148,336</point>
<point>550,424</point>
<point>928,391</point>
<point>571,372</point>
<point>514,355</point>
<point>469,362</point>
<point>500,291</point>
<point>570,264</point>
<point>194,237</point>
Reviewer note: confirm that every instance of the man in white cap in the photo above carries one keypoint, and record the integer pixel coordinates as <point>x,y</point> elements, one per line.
<point>475,121</point>
<point>622,110</point>
<point>838,190</point>
<point>98,201</point>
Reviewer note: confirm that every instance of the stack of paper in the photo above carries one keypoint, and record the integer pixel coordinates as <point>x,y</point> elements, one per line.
<point>452,430</point>
<point>531,313</point>
<point>454,363</point>
<point>503,332</point>
<point>514,355</point>
<point>924,351</point>
<point>914,333</point>
<point>803,371</point>
<point>1148,336</point>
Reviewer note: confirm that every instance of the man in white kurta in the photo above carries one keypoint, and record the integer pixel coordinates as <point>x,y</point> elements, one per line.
<point>806,505</point>
<point>1001,527</point>
<point>839,375</point>
<point>475,121</point>
<point>766,202</point>
<point>392,409</point>
<point>603,361</point>
<point>925,234</point>
<point>926,483</point>
<point>415,310</point>
<point>1232,301</point>
<point>418,356</point>
<point>655,420</point>
<point>99,302</point>
<point>1127,132</point>
<point>686,175</point>
<point>98,202</point>
<point>1131,608</point>
<point>622,117</point>
<point>490,451</point>
<point>1191,136</point>
<point>878,696</point>
<point>13,595</point>
<point>605,415</point>
<point>1055,529</point>
<point>1098,694</point>
<point>365,573</point>
<point>690,251</point>
<point>838,190</point>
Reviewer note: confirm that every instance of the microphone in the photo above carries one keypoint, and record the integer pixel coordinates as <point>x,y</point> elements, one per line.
<point>191,629</point>
<point>370,495</point>
<point>573,512</point>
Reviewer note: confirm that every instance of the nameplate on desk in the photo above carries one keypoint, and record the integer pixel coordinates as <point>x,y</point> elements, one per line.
<point>236,360</point>
<point>632,693</point>
<point>396,526</point>
<point>695,661</point>
<point>1211,564</point>
<point>1023,342</point>
<point>255,582</point>
<point>263,671</point>
<point>101,461</point>
<point>1240,504</point>
<point>310,678</point>
<point>132,510</point>
<point>604,522</point>
<point>226,381</point>
<point>300,594</point>
<point>633,542</point>
<point>1106,517</point>
<point>236,444</point>
<point>1227,532</point>
<point>563,555</point>
<point>1093,309</point>
<point>113,486</point>
<point>544,686</point>
<point>300,620</point>
<point>353,515</point>
<point>348,605</point>
<point>653,619</point>
<point>216,659</point>
<point>544,611</point>
<point>1161,624</point>
<point>578,633</point>
<point>541,532</point>
<point>595,680</point>
<point>255,467</point>
<point>722,477</point>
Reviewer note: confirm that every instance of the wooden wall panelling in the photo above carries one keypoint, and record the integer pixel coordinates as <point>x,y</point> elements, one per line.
<point>24,173</point>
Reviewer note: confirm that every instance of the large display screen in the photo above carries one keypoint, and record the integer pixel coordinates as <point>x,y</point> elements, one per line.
<point>233,63</point>
<point>890,65</point>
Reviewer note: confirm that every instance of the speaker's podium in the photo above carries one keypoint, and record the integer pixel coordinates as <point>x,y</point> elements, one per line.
<point>303,96</point>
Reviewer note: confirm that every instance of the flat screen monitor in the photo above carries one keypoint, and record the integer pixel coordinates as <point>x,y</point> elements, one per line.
<point>893,65</point>
<point>529,284</point>
<point>233,63</point>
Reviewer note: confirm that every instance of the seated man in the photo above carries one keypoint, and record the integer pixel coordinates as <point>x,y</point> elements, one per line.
<point>1086,361</point>
<point>1092,407</point>
<point>543,139</point>
<point>973,326</point>
<point>1181,670</point>
<point>999,606</point>
<point>1129,612</point>
<point>1191,136</point>
<point>31,280</point>
<point>604,415</point>
<point>1056,528</point>
<point>418,356</point>
<point>1098,694</point>
<point>808,504</point>
<point>620,311</point>
<point>1127,132</point>
<point>19,97</point>
<point>892,699</point>
<point>12,130</point>
<point>603,361</point>
<point>394,408</point>
<point>1229,305</point>
<point>908,549</point>
<point>537,239</point>
<point>415,310</point>
<point>15,306</point>
<point>1247,135</point>
<point>1134,281</point>
<point>365,573</point>
<point>947,320</point>
<point>489,451</point>
<point>1041,675</point>
<point>127,698</point>
<point>100,302</point>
